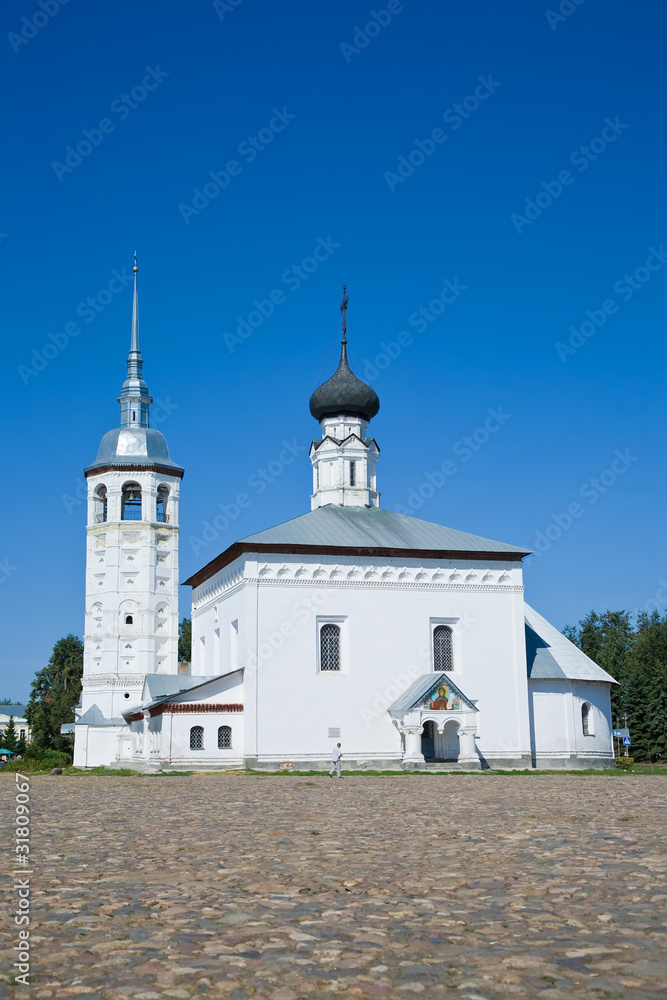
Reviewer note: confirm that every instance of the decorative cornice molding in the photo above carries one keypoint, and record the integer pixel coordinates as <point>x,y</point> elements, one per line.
<point>391,584</point>
<point>163,470</point>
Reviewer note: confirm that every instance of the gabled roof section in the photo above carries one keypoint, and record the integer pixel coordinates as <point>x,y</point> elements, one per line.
<point>549,654</point>
<point>168,695</point>
<point>425,690</point>
<point>368,531</point>
<point>95,717</point>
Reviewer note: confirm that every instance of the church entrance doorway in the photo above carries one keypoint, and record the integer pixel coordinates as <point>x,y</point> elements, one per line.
<point>442,746</point>
<point>428,740</point>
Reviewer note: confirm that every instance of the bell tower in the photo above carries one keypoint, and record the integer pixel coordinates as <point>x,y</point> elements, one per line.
<point>131,625</point>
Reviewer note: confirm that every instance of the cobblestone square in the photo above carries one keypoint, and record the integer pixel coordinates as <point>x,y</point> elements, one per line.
<point>237,886</point>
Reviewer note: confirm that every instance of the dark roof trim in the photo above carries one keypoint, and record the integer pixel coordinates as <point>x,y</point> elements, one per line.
<point>165,470</point>
<point>238,548</point>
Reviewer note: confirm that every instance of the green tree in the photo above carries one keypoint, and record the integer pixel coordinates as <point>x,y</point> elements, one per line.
<point>7,701</point>
<point>185,640</point>
<point>646,689</point>
<point>55,692</point>
<point>10,737</point>
<point>608,639</point>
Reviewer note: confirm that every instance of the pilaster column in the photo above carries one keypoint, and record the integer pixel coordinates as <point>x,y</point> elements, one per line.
<point>413,744</point>
<point>467,748</point>
<point>146,743</point>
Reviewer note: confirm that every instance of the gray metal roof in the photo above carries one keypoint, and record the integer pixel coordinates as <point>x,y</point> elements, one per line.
<point>551,655</point>
<point>95,717</point>
<point>133,446</point>
<point>373,527</point>
<point>18,711</point>
<point>166,689</point>
<point>421,687</point>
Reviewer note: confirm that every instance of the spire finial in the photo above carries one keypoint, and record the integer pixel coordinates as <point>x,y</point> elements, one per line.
<point>343,312</point>
<point>135,268</point>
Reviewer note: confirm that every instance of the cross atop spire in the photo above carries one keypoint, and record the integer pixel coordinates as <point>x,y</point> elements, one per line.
<point>343,312</point>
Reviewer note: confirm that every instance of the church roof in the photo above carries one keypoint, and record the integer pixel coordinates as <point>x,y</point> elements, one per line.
<point>134,447</point>
<point>370,531</point>
<point>551,655</point>
<point>95,717</point>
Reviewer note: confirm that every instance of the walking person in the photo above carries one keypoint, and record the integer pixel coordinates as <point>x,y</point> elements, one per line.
<point>336,756</point>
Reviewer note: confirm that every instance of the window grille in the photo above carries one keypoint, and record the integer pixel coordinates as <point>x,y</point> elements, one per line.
<point>197,738</point>
<point>225,738</point>
<point>330,647</point>
<point>353,473</point>
<point>584,720</point>
<point>442,648</point>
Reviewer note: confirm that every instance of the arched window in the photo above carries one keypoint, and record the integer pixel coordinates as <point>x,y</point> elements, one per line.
<point>442,648</point>
<point>585,719</point>
<point>129,620</point>
<point>131,502</point>
<point>225,738</point>
<point>161,504</point>
<point>330,647</point>
<point>100,504</point>
<point>197,738</point>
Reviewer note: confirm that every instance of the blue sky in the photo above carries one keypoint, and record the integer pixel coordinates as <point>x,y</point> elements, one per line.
<point>539,199</point>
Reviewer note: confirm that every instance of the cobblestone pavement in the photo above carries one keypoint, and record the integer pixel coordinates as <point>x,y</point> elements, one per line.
<point>235,886</point>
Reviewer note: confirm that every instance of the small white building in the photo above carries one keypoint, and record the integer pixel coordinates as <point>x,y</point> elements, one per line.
<point>408,642</point>
<point>17,713</point>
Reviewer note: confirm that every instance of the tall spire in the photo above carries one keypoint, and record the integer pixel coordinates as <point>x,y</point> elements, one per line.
<point>134,343</point>
<point>134,398</point>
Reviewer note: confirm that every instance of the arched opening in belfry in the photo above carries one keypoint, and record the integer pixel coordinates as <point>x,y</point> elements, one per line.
<point>100,499</point>
<point>161,504</point>
<point>131,502</point>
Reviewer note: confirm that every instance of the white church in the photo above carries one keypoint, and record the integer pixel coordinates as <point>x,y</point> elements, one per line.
<point>408,642</point>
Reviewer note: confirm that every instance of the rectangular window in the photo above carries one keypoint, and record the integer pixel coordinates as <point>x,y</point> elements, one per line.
<point>353,473</point>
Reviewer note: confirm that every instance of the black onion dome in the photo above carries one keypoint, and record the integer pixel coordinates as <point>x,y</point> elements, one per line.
<point>344,393</point>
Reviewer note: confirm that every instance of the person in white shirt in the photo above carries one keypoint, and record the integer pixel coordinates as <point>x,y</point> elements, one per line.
<point>336,756</point>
